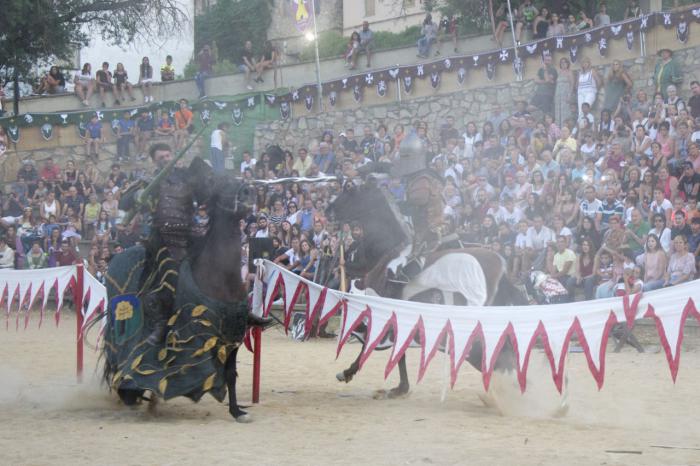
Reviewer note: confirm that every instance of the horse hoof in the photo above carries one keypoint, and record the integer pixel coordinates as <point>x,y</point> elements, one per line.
<point>380,395</point>
<point>398,392</point>
<point>244,419</point>
<point>340,376</point>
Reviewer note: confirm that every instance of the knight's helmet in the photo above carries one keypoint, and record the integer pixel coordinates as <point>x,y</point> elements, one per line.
<point>412,156</point>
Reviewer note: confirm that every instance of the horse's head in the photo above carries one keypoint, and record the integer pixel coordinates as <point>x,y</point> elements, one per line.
<point>231,198</point>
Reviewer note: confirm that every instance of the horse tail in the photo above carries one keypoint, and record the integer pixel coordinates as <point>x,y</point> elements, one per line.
<point>508,294</point>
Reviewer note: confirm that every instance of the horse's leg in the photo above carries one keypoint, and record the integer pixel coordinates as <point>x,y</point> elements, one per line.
<point>403,386</point>
<point>347,375</point>
<point>233,408</point>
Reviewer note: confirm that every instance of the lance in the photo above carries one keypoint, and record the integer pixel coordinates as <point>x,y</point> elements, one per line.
<point>142,198</point>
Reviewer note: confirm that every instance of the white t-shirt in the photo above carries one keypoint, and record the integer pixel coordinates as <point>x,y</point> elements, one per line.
<point>251,165</point>
<point>217,139</point>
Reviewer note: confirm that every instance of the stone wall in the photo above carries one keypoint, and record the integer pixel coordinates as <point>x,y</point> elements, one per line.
<point>464,106</point>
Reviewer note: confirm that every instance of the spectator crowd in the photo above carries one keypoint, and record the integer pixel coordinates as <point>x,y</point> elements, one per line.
<point>585,195</point>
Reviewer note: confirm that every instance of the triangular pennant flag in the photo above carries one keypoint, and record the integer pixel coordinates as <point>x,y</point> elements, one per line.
<point>629,37</point>
<point>682,30</point>
<point>355,312</point>
<point>13,133</point>
<point>376,329</point>
<point>494,334</point>
<point>593,328</point>
<point>330,306</point>
<point>403,337</point>
<point>434,328</point>
<point>285,110</point>
<point>291,291</point>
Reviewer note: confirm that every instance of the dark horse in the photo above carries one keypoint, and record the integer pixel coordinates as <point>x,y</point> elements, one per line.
<point>386,236</point>
<point>198,355</point>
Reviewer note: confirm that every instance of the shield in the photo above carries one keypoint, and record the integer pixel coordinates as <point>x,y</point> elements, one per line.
<point>309,102</point>
<point>237,116</point>
<point>115,127</point>
<point>434,79</point>
<point>629,37</point>
<point>461,75</point>
<point>285,110</point>
<point>407,84</point>
<point>356,93</point>
<point>518,66</point>
<point>490,70</point>
<point>13,133</point>
<point>682,32</point>
<point>47,131</point>
<point>333,98</point>
<point>205,116</point>
<point>126,317</point>
<point>573,53</point>
<point>381,88</point>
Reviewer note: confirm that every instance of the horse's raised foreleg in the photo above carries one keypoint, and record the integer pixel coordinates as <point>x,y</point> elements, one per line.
<point>403,386</point>
<point>233,408</point>
<point>347,375</point>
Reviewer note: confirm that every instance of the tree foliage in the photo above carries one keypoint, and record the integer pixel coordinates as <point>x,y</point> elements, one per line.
<point>37,31</point>
<point>229,23</point>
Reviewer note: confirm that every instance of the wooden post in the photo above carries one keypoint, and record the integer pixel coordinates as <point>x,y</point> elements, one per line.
<point>78,292</point>
<point>256,333</point>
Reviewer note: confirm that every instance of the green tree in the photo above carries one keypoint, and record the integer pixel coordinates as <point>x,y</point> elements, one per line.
<point>39,31</point>
<point>229,23</point>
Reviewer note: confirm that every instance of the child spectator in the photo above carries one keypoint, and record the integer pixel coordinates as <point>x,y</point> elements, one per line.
<point>146,79</point>
<point>167,71</point>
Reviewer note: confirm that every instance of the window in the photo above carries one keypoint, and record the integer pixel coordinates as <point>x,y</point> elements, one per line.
<point>369,8</point>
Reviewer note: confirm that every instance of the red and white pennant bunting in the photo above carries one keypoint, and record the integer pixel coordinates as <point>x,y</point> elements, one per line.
<point>554,324</point>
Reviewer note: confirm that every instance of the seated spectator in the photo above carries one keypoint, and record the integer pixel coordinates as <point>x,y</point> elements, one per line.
<point>606,274</point>
<point>525,15</point>
<point>146,79</point>
<point>53,82</point>
<point>247,65</point>
<point>165,126</point>
<point>66,255</point>
<point>121,84</point>
<point>267,60</point>
<point>563,266</point>
<point>352,49</point>
<point>84,84</point>
<point>366,45</point>
<point>167,71</point>
<point>103,81</point>
<point>681,264</point>
<point>7,255</point>
<point>36,258</point>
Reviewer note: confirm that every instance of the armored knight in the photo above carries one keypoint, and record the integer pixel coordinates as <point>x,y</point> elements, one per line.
<point>424,201</point>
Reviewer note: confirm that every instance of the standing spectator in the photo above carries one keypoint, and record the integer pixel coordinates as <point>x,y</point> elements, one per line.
<point>666,72</point>
<point>617,84</point>
<point>602,18</point>
<point>103,81</point>
<point>217,146</point>
<point>428,36</point>
<point>125,135</point>
<point>546,82</point>
<point>248,64</point>
<point>84,84</point>
<point>588,83</point>
<point>146,79</point>
<point>167,71</point>
<point>205,64</point>
<point>93,138</point>
<point>144,132</point>
<point>694,101</point>
<point>184,124</point>
<point>121,84</point>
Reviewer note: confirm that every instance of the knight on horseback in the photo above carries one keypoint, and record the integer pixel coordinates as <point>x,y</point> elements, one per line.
<point>424,202</point>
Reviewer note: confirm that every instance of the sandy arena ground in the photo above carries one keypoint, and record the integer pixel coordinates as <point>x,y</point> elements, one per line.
<point>307,418</point>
